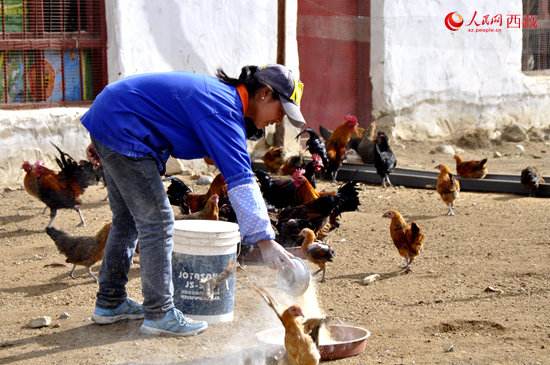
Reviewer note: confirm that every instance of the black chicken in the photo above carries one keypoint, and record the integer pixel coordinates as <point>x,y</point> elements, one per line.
<point>315,145</point>
<point>384,159</point>
<point>177,191</point>
<point>316,214</point>
<point>279,193</point>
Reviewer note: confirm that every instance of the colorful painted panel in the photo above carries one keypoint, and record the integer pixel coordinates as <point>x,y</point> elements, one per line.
<point>13,14</point>
<point>54,79</point>
<point>71,58</point>
<point>44,81</point>
<point>14,76</point>
<point>86,59</point>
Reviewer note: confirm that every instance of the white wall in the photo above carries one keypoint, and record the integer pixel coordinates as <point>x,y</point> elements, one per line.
<point>195,35</point>
<point>148,36</point>
<point>431,82</point>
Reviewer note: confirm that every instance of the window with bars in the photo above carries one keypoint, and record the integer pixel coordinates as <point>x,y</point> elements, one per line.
<point>52,52</point>
<point>536,42</point>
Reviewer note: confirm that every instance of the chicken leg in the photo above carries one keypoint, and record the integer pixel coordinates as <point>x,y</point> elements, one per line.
<point>92,275</point>
<point>53,213</point>
<point>323,269</point>
<point>450,211</point>
<point>407,268</point>
<point>89,268</point>
<point>82,222</point>
<point>386,181</point>
<point>71,274</point>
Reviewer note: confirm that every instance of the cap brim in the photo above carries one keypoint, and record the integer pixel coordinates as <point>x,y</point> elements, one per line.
<point>293,113</point>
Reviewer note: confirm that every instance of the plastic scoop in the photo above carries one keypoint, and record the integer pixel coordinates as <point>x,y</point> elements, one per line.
<point>294,280</point>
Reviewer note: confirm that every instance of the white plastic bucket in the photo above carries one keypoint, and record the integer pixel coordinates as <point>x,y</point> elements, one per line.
<point>203,250</point>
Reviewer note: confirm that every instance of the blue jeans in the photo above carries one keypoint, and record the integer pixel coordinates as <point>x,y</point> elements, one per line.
<point>141,212</point>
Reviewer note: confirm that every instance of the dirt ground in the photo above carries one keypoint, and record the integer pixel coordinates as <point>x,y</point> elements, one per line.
<point>440,313</point>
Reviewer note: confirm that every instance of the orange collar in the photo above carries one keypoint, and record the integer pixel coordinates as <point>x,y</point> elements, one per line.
<point>243,93</point>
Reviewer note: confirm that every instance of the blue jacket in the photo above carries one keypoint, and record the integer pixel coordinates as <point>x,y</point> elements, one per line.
<point>187,116</point>
<point>173,113</point>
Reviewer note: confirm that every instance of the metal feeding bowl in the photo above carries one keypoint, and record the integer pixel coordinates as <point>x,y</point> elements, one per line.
<point>345,340</point>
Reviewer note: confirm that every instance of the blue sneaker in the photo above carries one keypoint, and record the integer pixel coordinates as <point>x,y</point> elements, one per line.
<point>173,323</point>
<point>127,310</point>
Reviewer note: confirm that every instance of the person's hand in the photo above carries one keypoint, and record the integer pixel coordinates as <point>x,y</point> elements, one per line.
<point>275,255</point>
<point>92,156</point>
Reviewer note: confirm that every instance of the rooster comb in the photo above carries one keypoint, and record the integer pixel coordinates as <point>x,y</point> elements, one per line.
<point>351,119</point>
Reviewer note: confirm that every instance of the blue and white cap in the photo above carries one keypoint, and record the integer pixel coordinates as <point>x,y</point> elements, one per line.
<point>280,79</point>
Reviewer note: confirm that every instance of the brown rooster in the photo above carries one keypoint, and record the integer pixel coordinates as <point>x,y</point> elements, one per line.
<point>471,169</point>
<point>316,251</point>
<point>301,348</point>
<point>81,250</point>
<point>60,190</point>
<point>210,211</point>
<point>408,238</point>
<point>305,192</point>
<point>447,186</point>
<point>337,143</point>
<point>30,181</point>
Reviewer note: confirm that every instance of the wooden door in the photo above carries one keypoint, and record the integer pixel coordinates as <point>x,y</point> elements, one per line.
<point>334,51</point>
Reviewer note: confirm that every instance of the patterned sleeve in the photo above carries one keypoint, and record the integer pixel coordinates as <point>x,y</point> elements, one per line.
<point>249,205</point>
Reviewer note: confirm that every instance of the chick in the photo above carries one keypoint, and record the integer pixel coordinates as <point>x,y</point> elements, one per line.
<point>316,251</point>
<point>300,335</point>
<point>447,186</point>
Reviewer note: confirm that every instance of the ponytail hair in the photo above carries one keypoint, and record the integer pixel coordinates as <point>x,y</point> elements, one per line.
<point>246,78</point>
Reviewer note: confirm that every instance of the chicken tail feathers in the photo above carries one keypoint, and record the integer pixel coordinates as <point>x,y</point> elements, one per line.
<point>55,233</point>
<point>348,197</point>
<point>482,163</point>
<point>415,229</point>
<point>309,131</point>
<point>82,173</point>
<point>268,299</point>
<point>65,161</point>
<point>61,239</point>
